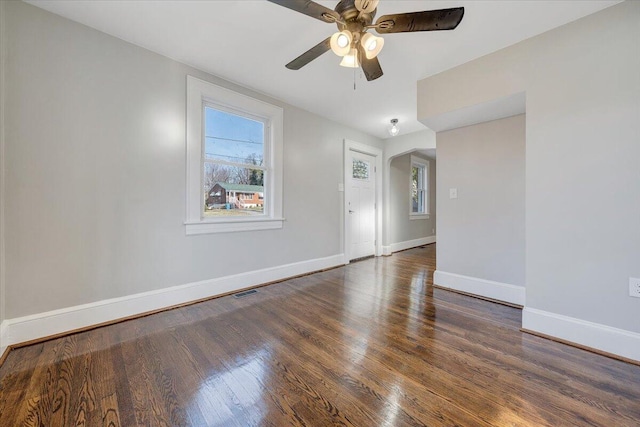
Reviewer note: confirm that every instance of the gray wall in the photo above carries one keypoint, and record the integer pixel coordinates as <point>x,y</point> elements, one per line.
<point>482,232</point>
<point>394,147</point>
<point>403,228</point>
<point>2,157</point>
<point>582,84</point>
<point>95,173</point>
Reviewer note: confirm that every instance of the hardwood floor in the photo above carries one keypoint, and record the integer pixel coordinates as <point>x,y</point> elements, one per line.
<point>370,344</point>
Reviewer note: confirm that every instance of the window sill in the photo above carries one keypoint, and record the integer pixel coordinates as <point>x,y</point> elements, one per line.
<point>418,216</point>
<point>228,226</point>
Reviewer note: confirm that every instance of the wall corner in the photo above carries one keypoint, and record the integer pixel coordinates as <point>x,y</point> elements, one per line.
<point>3,56</point>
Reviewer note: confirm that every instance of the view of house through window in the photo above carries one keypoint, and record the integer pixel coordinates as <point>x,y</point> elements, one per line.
<point>419,188</point>
<point>234,164</point>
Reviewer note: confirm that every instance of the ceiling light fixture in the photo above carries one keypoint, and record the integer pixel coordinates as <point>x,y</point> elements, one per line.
<point>355,18</point>
<point>394,129</point>
<point>341,42</point>
<point>350,60</point>
<point>372,45</point>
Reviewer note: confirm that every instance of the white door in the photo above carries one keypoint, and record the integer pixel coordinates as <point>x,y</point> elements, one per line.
<point>361,205</point>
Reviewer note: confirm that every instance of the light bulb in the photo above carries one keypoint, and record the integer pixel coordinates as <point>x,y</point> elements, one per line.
<point>372,45</point>
<point>350,60</point>
<point>341,42</point>
<point>394,129</point>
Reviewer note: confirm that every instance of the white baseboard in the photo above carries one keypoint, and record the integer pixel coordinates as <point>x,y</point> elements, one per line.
<point>486,288</point>
<point>3,344</point>
<point>401,246</point>
<point>22,329</point>
<point>595,335</point>
<point>386,250</point>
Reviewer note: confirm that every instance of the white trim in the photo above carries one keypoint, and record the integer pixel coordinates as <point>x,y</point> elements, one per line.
<point>595,335</point>
<point>200,92</point>
<point>377,153</point>
<point>486,288</point>
<point>413,216</point>
<point>3,340</point>
<point>41,325</point>
<point>207,227</point>
<point>419,161</point>
<point>386,250</point>
<point>408,244</point>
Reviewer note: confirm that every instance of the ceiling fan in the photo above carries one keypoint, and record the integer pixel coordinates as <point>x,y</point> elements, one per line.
<point>354,18</point>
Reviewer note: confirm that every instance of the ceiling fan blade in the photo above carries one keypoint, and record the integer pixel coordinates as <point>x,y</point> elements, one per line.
<point>311,9</point>
<point>371,67</point>
<point>310,55</point>
<point>430,20</point>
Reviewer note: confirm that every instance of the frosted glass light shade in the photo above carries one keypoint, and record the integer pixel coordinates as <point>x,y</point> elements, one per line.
<point>372,45</point>
<point>350,60</point>
<point>341,42</point>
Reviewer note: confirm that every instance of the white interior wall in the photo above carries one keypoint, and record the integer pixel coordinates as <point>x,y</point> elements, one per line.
<point>481,233</point>
<point>2,201</point>
<point>582,84</point>
<point>403,229</point>
<point>95,172</point>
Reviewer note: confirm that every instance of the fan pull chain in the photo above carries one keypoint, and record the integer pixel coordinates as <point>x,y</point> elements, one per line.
<point>354,79</point>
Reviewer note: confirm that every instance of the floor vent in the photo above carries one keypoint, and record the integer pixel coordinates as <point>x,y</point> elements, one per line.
<point>245,293</point>
<point>362,258</point>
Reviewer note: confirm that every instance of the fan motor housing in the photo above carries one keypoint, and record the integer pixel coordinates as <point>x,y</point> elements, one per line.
<point>348,11</point>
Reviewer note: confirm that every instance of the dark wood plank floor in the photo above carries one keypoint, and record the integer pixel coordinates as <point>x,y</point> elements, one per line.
<point>370,344</point>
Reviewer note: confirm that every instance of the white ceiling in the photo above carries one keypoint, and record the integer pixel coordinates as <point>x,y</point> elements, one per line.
<point>249,42</point>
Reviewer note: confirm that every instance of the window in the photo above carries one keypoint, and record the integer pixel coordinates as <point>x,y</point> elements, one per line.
<point>234,161</point>
<point>419,195</point>
<point>360,169</point>
<point>234,153</point>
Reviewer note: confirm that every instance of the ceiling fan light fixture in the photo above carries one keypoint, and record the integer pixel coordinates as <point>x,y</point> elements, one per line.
<point>354,19</point>
<point>394,129</point>
<point>341,42</point>
<point>366,6</point>
<point>350,60</point>
<point>372,45</point>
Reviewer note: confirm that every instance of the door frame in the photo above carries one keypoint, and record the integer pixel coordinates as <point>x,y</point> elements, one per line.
<point>358,147</point>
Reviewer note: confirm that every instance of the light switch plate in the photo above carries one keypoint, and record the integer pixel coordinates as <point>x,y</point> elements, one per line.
<point>634,287</point>
<point>453,193</point>
<point>340,187</point>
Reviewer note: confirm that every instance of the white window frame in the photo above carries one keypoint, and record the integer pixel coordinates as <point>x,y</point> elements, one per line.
<point>419,162</point>
<point>199,94</point>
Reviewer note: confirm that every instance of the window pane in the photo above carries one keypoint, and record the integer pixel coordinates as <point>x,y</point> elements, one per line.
<point>232,191</point>
<point>417,177</point>
<point>418,189</point>
<point>418,202</point>
<point>360,169</point>
<point>414,189</point>
<point>233,138</point>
